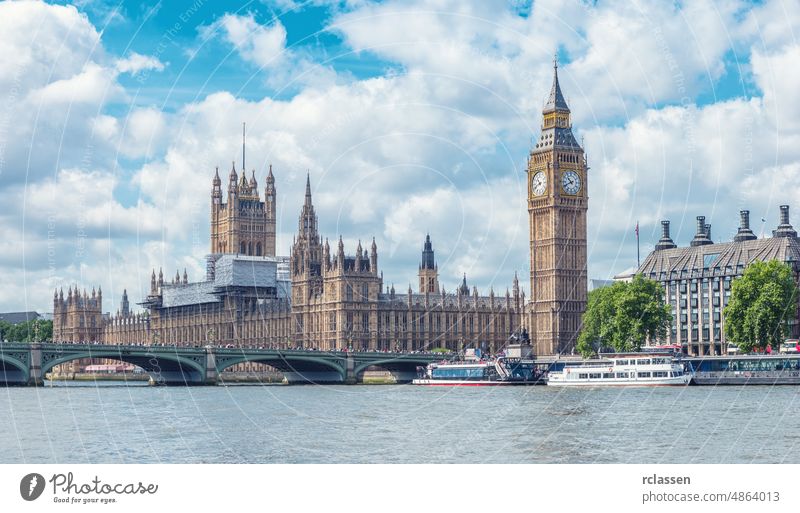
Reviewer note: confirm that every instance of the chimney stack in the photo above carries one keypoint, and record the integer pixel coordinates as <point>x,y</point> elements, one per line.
<point>784,229</point>
<point>708,232</point>
<point>701,237</point>
<point>744,233</point>
<point>665,242</point>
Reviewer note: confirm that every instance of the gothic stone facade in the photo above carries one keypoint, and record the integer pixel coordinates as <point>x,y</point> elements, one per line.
<point>339,301</point>
<point>697,279</point>
<point>313,299</point>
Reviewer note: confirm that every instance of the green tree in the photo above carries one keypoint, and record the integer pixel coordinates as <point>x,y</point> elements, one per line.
<point>35,330</point>
<point>5,330</point>
<point>623,316</point>
<point>763,301</point>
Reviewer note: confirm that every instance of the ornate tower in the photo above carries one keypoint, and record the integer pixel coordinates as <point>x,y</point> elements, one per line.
<point>269,209</point>
<point>428,270</point>
<point>244,224</point>
<point>557,204</point>
<point>307,252</point>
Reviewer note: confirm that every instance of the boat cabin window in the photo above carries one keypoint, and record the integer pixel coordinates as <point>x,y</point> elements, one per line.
<point>660,374</point>
<point>455,372</point>
<point>621,375</point>
<point>583,376</point>
<point>659,361</point>
<point>644,374</point>
<point>608,375</point>
<point>643,362</point>
<point>594,375</point>
<point>622,362</point>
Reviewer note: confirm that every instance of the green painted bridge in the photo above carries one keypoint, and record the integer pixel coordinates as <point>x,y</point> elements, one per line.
<point>28,364</point>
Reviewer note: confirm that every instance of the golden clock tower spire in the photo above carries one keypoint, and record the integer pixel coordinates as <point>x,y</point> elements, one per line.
<point>557,205</point>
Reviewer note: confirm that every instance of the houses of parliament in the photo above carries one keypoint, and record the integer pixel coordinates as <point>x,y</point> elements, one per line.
<point>326,297</point>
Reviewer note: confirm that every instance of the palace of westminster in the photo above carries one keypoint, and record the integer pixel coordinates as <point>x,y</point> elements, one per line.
<point>321,297</point>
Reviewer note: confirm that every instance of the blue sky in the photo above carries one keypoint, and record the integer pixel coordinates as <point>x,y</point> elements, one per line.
<point>411,116</point>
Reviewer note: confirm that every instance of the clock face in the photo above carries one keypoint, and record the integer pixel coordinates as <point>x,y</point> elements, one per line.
<point>539,183</point>
<point>571,182</point>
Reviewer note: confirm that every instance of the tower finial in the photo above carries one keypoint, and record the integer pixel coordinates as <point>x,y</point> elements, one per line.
<point>555,59</point>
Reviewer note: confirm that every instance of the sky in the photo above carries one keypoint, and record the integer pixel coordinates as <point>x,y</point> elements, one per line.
<point>411,117</point>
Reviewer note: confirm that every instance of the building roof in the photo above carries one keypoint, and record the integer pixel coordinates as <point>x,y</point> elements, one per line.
<point>19,317</point>
<point>727,258</point>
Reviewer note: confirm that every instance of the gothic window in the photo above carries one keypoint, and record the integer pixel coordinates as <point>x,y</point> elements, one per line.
<point>242,248</point>
<point>249,248</point>
<point>258,249</point>
<point>364,291</point>
<point>365,322</point>
<point>348,293</point>
<point>332,322</point>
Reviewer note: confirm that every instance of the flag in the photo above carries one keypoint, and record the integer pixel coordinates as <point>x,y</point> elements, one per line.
<point>637,229</point>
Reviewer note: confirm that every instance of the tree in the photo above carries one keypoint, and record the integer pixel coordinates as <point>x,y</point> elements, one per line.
<point>35,330</point>
<point>624,316</point>
<point>763,301</point>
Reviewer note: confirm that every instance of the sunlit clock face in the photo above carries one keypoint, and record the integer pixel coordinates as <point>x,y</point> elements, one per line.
<point>539,183</point>
<point>571,182</point>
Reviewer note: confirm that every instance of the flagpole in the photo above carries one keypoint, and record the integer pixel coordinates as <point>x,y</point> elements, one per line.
<point>638,262</point>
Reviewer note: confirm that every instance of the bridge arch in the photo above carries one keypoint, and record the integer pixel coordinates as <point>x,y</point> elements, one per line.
<point>163,368</point>
<point>297,368</point>
<point>13,370</point>
<point>403,369</point>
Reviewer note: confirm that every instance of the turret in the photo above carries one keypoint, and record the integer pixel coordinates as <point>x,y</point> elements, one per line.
<point>358,257</point>
<point>253,184</point>
<point>233,186</point>
<point>153,288</point>
<point>125,310</point>
<point>185,277</point>
<point>373,258</point>
<point>216,188</point>
<point>463,290</point>
<point>515,286</point>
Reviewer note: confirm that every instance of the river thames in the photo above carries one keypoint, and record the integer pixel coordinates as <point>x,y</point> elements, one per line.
<point>111,423</point>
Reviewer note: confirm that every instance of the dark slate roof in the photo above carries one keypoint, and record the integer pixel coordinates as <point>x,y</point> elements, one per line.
<point>19,317</point>
<point>556,137</point>
<point>727,258</point>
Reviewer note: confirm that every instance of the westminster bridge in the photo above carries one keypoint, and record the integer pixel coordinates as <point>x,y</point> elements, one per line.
<point>28,364</point>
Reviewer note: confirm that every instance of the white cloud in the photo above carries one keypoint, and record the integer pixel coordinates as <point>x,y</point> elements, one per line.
<point>135,63</point>
<point>262,45</point>
<point>437,144</point>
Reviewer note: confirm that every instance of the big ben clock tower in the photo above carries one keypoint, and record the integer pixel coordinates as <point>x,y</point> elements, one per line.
<point>557,204</point>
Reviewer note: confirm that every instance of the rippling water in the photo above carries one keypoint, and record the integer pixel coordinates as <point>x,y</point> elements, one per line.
<point>107,423</point>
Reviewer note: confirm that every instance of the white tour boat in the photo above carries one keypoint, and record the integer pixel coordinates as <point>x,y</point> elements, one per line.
<point>628,369</point>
